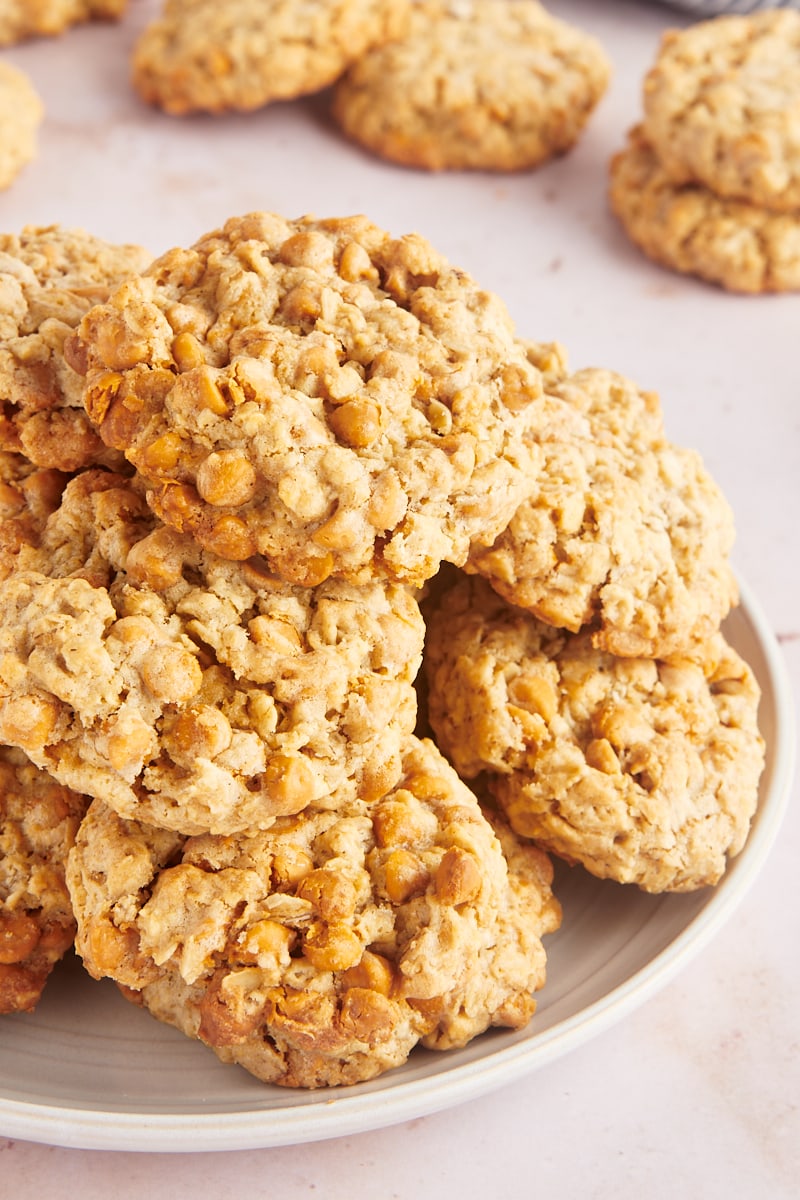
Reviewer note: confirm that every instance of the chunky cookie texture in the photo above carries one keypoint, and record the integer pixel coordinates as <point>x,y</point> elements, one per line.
<point>38,822</point>
<point>323,950</point>
<point>340,401</point>
<point>722,107</point>
<point>49,278</point>
<point>643,770</point>
<point>20,19</point>
<point>195,693</point>
<point>21,113</point>
<point>28,495</point>
<point>740,246</point>
<point>201,56</point>
<point>482,84</point>
<point>624,531</point>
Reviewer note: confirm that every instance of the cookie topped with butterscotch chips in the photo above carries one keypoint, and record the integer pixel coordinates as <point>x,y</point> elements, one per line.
<point>643,770</point>
<point>624,532</point>
<point>340,401</point>
<point>49,278</point>
<point>38,822</point>
<point>321,951</point>
<point>20,19</point>
<point>193,692</point>
<point>496,85</point>
<point>722,107</point>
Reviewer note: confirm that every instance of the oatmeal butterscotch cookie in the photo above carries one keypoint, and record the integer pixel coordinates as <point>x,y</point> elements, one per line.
<point>624,531</point>
<point>475,84</point>
<point>38,822</point>
<point>21,19</point>
<point>722,107</point>
<point>198,694</point>
<point>688,228</point>
<point>50,277</point>
<point>21,112</point>
<point>204,56</point>
<point>338,400</point>
<point>644,770</point>
<point>322,950</point>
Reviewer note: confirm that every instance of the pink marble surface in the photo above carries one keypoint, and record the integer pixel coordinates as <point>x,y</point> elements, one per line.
<point>696,1093</point>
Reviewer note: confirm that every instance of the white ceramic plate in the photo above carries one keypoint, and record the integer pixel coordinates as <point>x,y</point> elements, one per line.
<point>89,1070</point>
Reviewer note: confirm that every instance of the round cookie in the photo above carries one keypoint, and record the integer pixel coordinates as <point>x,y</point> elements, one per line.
<point>722,107</point>
<point>623,532</point>
<point>38,822</point>
<point>645,771</point>
<point>195,693</point>
<point>49,278</point>
<point>321,951</point>
<point>21,112</point>
<point>338,400</point>
<point>496,85</point>
<point>201,56</point>
<point>688,228</point>
<point>20,19</point>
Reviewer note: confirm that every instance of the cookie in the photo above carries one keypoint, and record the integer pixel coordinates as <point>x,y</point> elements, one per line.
<point>200,56</point>
<point>28,495</point>
<point>624,531</point>
<point>722,107</point>
<point>195,693</point>
<point>21,112</point>
<point>38,822</point>
<point>20,19</point>
<point>643,770</point>
<point>688,228</point>
<point>496,85</point>
<point>321,951</point>
<point>337,400</point>
<point>49,278</point>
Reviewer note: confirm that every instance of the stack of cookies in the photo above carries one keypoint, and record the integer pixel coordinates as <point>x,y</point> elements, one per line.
<point>247,491</point>
<point>709,183</point>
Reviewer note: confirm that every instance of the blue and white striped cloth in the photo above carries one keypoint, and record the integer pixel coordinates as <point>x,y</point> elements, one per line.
<point>716,8</point>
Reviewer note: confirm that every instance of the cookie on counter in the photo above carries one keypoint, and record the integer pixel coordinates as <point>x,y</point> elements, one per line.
<point>49,278</point>
<point>497,85</point>
<point>38,822</point>
<point>21,113</point>
<point>688,228</point>
<point>202,56</point>
<point>335,399</point>
<point>20,19</point>
<point>321,951</point>
<point>722,107</point>
<point>643,770</point>
<point>624,532</point>
<point>193,692</point>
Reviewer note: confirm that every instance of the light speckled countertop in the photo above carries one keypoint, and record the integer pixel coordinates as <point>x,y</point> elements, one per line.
<point>695,1093</point>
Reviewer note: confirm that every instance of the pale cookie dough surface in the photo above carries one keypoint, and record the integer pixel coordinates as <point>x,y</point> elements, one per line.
<point>21,113</point>
<point>341,401</point>
<point>624,531</point>
<point>204,56</point>
<point>643,770</point>
<point>21,19</point>
<point>192,692</point>
<point>688,228</point>
<point>49,278</point>
<point>722,107</point>
<point>38,822</point>
<point>321,951</point>
<point>475,84</point>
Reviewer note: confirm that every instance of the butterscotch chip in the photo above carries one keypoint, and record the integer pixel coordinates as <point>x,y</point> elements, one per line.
<point>722,107</point>
<point>323,975</point>
<point>685,226</point>
<point>482,84</point>
<point>50,277</point>
<point>643,770</point>
<point>359,410</point>
<point>193,692</point>
<point>21,112</point>
<point>20,19</point>
<point>203,56</point>
<point>38,822</point>
<point>624,531</point>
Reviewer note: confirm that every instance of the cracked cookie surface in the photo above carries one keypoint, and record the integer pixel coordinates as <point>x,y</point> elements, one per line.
<point>321,951</point>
